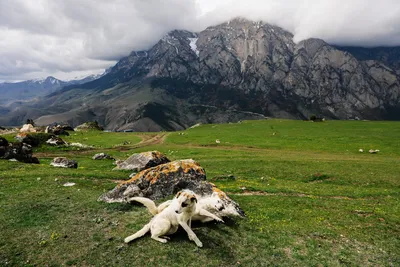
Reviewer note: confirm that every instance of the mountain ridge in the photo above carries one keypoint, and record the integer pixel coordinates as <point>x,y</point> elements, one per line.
<point>238,66</point>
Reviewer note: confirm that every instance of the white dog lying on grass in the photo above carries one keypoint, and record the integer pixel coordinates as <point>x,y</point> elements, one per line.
<point>204,207</point>
<point>179,212</point>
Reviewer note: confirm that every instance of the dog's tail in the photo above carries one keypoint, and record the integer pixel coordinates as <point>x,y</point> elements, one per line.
<point>148,203</point>
<point>138,234</point>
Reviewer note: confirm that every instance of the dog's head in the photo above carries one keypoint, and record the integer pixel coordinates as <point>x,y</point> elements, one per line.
<point>185,200</point>
<point>213,202</point>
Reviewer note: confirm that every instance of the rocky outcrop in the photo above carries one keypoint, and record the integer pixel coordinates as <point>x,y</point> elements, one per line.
<point>63,162</point>
<point>141,161</point>
<point>27,128</point>
<point>33,139</point>
<point>162,181</point>
<point>18,151</point>
<point>89,126</point>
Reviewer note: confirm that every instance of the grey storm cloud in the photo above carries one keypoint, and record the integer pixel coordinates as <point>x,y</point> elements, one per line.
<point>68,38</point>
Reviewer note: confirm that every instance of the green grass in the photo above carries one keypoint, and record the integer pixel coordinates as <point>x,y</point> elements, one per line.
<point>311,199</point>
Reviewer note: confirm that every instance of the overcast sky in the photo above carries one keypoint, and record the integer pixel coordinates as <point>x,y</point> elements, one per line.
<point>75,38</point>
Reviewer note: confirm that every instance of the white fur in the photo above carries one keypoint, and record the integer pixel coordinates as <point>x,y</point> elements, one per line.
<point>206,207</point>
<point>178,212</point>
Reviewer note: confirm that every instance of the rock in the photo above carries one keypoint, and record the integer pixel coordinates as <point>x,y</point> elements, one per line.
<point>57,130</point>
<point>33,139</point>
<point>87,126</point>
<point>19,151</point>
<point>27,128</point>
<point>3,146</point>
<point>217,141</point>
<point>69,184</point>
<point>162,181</point>
<point>79,145</point>
<point>63,162</point>
<point>102,156</point>
<point>142,161</point>
<point>56,141</point>
<point>361,150</point>
<point>373,151</point>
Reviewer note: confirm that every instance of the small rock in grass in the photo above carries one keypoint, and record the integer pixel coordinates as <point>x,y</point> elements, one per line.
<point>100,156</point>
<point>63,162</point>
<point>69,184</point>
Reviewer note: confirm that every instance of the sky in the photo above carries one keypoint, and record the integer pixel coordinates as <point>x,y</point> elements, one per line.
<point>75,38</point>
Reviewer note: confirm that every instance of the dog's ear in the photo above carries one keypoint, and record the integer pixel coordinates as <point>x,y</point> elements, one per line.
<point>178,194</point>
<point>193,199</point>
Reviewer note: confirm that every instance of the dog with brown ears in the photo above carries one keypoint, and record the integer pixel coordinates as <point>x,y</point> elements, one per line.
<point>178,213</point>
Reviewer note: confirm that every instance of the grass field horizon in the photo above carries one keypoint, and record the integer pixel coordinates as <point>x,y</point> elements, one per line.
<point>311,198</point>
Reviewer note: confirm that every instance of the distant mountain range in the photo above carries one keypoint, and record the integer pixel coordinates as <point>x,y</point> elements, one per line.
<point>237,70</point>
<point>27,90</point>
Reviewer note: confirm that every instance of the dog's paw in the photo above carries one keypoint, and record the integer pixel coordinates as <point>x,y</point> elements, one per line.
<point>198,243</point>
<point>220,220</point>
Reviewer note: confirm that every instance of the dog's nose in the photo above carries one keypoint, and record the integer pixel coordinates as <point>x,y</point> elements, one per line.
<point>176,211</point>
<point>221,208</point>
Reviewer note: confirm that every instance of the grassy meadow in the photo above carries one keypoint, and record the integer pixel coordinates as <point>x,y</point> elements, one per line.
<point>311,198</point>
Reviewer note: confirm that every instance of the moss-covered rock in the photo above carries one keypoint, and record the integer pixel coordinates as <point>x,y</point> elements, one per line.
<point>89,126</point>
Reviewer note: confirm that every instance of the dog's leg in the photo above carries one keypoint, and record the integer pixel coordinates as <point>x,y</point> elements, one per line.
<point>159,239</point>
<point>191,234</point>
<point>204,212</point>
<point>138,234</point>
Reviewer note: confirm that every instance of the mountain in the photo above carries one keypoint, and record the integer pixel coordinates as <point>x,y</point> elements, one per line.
<point>236,70</point>
<point>26,90</point>
<point>390,56</point>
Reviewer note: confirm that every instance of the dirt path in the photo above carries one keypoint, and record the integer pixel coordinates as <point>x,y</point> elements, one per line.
<point>147,140</point>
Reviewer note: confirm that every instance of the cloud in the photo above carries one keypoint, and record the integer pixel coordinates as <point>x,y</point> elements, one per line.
<point>68,38</point>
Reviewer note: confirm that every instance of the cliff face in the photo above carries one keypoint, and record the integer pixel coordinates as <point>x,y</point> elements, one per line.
<point>239,67</point>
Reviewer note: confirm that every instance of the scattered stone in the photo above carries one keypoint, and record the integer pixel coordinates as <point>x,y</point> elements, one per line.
<point>102,156</point>
<point>69,184</point>
<point>373,151</point>
<point>63,162</point>
<point>12,160</point>
<point>56,141</point>
<point>87,126</point>
<point>361,150</point>
<point>79,145</point>
<point>142,161</point>
<point>217,141</point>
<point>27,128</point>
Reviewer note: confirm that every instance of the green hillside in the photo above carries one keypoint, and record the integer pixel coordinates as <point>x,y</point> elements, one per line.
<point>311,198</point>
